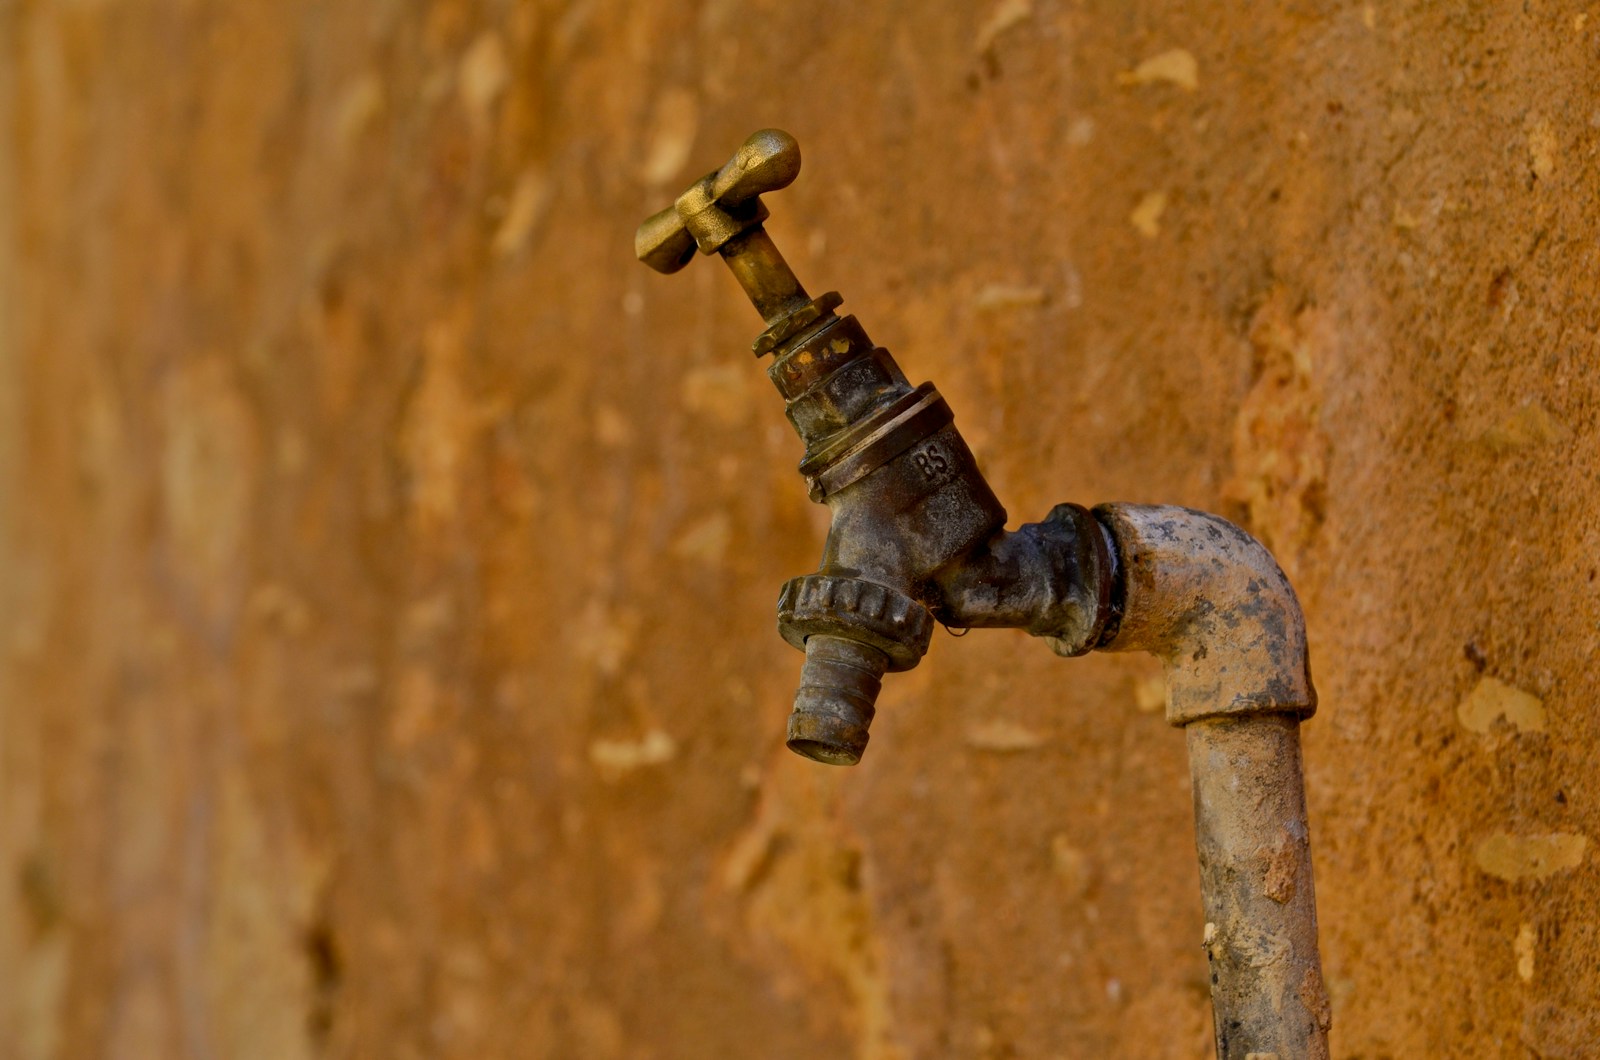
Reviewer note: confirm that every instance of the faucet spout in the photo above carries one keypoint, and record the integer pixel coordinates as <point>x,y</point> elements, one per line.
<point>837,698</point>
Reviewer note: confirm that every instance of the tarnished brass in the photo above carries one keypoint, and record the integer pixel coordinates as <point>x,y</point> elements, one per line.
<point>722,211</point>
<point>767,161</point>
<point>917,534</point>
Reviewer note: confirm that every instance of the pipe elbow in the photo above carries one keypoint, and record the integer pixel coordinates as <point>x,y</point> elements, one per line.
<point>1212,603</point>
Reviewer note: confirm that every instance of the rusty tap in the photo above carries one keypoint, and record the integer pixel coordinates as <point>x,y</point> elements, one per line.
<point>917,534</point>
<point>917,537</point>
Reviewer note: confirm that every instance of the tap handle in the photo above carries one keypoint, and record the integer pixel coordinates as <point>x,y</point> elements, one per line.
<point>663,242</point>
<point>768,161</point>
<point>720,205</point>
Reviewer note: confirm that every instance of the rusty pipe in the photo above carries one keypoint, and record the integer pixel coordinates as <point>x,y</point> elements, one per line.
<point>1267,993</point>
<point>1210,601</point>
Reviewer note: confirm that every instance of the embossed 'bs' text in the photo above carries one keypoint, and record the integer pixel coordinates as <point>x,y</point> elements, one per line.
<point>931,461</point>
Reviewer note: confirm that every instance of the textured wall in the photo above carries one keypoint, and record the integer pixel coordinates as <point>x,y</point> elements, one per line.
<point>387,663</point>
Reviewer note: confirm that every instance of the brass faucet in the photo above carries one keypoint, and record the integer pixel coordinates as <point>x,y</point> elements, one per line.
<point>918,537</point>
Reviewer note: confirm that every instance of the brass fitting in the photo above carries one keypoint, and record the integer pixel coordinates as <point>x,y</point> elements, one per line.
<point>722,212</point>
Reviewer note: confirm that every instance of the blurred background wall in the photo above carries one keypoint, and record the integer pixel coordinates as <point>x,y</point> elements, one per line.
<point>387,662</point>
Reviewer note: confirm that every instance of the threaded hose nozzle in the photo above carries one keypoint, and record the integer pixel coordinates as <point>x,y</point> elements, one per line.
<point>835,702</point>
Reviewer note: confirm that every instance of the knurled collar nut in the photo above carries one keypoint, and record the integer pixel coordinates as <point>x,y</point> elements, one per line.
<point>859,610</point>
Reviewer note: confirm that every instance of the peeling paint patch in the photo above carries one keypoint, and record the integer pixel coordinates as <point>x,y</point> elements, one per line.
<point>794,900</point>
<point>606,636</point>
<point>1071,864</point>
<point>1492,698</point>
<point>1280,450</point>
<point>1146,217</point>
<point>439,428</point>
<point>1150,693</point>
<point>1340,991</point>
<point>265,884</point>
<point>617,758</point>
<point>1403,219</point>
<point>358,107</point>
<point>209,463</point>
<point>1176,67</point>
<point>611,428</point>
<point>720,391</point>
<point>999,296</point>
<point>750,857</point>
<point>280,608</point>
<point>1003,736</point>
<point>1007,13</point>
<point>706,540</point>
<point>1541,148</point>
<point>1511,857</point>
<point>416,707</point>
<point>482,77</point>
<point>530,201</point>
<point>1531,425</point>
<point>1522,946</point>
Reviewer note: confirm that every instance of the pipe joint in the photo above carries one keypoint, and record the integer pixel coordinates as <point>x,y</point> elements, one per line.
<point>1052,578</point>
<point>1211,602</point>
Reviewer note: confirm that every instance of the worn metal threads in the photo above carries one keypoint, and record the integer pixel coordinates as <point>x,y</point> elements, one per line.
<point>834,705</point>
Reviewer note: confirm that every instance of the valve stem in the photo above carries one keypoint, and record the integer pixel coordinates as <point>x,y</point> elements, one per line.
<point>769,283</point>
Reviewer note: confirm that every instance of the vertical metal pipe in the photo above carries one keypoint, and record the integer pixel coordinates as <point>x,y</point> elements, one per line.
<point>1267,992</point>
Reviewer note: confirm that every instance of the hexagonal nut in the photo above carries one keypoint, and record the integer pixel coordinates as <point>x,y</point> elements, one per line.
<point>864,611</point>
<point>1082,615</point>
<point>796,322</point>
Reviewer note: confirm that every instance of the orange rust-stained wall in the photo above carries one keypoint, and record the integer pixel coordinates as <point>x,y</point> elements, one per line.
<point>387,560</point>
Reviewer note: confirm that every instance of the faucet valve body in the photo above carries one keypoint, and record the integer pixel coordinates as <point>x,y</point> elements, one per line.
<point>907,501</point>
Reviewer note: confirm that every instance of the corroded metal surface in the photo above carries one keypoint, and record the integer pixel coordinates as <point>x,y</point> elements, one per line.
<point>1260,938</point>
<point>1212,603</point>
<point>720,205</point>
